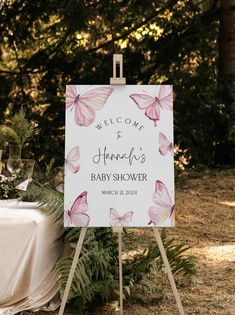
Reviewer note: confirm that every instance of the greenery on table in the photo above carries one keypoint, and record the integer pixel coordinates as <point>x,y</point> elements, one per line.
<point>18,130</point>
<point>8,191</point>
<point>10,188</point>
<point>96,276</point>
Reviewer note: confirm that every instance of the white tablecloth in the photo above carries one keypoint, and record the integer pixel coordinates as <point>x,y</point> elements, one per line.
<point>29,250</point>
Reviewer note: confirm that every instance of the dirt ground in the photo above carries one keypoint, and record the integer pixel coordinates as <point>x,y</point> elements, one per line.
<point>205,220</point>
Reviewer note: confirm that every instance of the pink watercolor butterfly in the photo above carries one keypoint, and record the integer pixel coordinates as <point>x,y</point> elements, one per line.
<point>117,220</point>
<point>72,160</point>
<point>86,103</point>
<point>152,104</point>
<point>165,145</point>
<point>77,216</point>
<point>164,207</point>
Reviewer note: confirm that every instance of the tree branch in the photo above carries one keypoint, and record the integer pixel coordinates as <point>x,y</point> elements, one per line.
<point>20,71</point>
<point>151,18</point>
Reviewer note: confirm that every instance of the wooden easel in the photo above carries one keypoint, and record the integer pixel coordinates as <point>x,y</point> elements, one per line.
<point>118,62</point>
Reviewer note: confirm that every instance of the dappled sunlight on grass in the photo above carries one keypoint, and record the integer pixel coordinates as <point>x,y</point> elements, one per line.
<point>131,254</point>
<point>221,253</point>
<point>228,203</point>
<point>216,254</point>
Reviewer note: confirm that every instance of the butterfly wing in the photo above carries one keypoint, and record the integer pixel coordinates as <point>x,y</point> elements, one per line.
<point>67,220</point>
<point>164,95</point>
<point>72,161</point>
<point>149,103</point>
<point>114,217</point>
<point>84,116</point>
<point>73,167</point>
<point>143,101</point>
<point>172,149</point>
<point>158,215</point>
<point>71,94</point>
<point>164,207</point>
<point>81,220</point>
<point>90,101</point>
<point>165,144</point>
<point>96,98</point>
<point>117,220</point>
<point>78,211</point>
<point>172,216</point>
<point>126,218</point>
<point>161,197</point>
<point>153,112</point>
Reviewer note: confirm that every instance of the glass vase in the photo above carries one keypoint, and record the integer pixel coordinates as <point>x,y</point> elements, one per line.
<point>14,160</point>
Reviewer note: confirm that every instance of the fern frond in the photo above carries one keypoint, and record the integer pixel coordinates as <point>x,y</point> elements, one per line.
<point>93,277</point>
<point>87,281</point>
<point>19,130</point>
<point>7,134</point>
<point>180,263</point>
<point>150,260</point>
<point>102,289</point>
<point>47,195</point>
<point>22,127</point>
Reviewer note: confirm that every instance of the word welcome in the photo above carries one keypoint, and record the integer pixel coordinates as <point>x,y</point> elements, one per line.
<point>104,156</point>
<point>120,120</point>
<point>134,177</point>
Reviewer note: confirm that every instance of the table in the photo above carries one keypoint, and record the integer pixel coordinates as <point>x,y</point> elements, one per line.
<point>29,250</point>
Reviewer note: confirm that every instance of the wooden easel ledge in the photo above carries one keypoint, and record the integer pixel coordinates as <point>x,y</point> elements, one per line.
<point>118,64</point>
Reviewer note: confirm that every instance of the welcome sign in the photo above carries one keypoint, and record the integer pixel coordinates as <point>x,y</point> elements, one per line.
<point>119,156</point>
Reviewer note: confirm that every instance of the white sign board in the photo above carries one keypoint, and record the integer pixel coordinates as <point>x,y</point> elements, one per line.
<point>119,156</point>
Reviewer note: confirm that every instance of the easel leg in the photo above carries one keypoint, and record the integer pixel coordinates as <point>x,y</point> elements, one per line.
<point>168,269</point>
<point>72,270</point>
<point>119,230</point>
<point>120,271</point>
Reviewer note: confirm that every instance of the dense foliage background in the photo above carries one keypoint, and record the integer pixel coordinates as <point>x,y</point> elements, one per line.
<point>45,45</point>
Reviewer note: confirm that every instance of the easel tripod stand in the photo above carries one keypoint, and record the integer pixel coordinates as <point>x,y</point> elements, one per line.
<point>119,80</point>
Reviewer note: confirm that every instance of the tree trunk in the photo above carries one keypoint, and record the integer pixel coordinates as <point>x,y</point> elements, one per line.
<point>227,43</point>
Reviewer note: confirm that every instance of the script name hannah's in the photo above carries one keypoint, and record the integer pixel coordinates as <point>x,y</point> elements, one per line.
<point>102,177</point>
<point>130,156</point>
